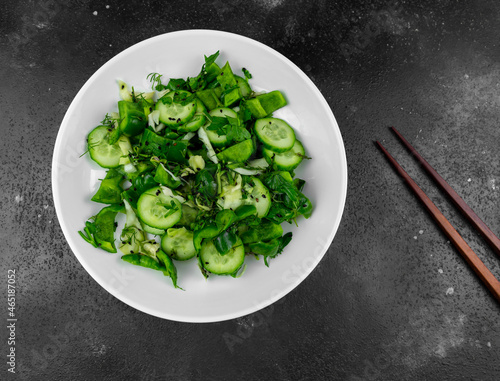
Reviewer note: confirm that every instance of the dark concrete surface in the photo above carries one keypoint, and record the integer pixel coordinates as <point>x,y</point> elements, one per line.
<point>391,300</point>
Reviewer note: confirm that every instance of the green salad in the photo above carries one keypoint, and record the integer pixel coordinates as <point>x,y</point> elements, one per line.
<point>201,169</point>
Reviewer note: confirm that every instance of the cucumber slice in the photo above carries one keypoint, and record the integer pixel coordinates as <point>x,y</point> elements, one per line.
<point>216,139</point>
<point>227,264</point>
<point>275,134</point>
<point>178,244</point>
<point>198,120</point>
<point>224,112</point>
<point>152,230</point>
<point>245,88</point>
<point>188,216</point>
<point>105,154</point>
<point>288,160</point>
<point>194,124</point>
<point>259,197</point>
<point>158,210</point>
<point>200,107</point>
<point>174,111</point>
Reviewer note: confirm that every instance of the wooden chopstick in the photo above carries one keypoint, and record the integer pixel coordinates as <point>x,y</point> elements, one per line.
<point>473,218</point>
<point>471,258</point>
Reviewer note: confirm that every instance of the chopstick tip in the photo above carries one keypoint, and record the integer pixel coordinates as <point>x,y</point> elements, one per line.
<point>398,134</point>
<point>379,145</point>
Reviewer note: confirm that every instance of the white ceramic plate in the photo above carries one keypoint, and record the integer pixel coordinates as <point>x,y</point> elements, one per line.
<point>179,55</point>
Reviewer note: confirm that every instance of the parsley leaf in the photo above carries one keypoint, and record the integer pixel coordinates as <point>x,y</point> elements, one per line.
<point>218,124</point>
<point>292,198</point>
<point>231,127</point>
<point>166,99</point>
<point>171,208</point>
<point>225,241</point>
<point>244,114</point>
<point>183,98</point>
<point>176,84</point>
<point>235,132</point>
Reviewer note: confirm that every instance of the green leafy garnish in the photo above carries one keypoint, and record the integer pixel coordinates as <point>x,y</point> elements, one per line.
<point>155,80</point>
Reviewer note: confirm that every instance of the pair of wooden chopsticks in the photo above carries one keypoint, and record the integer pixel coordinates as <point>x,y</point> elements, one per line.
<point>472,259</point>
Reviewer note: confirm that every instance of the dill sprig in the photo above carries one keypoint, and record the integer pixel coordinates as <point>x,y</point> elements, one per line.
<point>155,79</point>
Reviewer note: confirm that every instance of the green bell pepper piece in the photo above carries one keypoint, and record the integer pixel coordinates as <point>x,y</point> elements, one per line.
<point>133,121</point>
<point>207,232</point>
<point>206,184</point>
<point>172,150</point>
<point>265,231</point>
<point>165,178</point>
<point>109,191</point>
<point>223,220</point>
<point>165,264</point>
<point>99,231</point>
<point>225,241</point>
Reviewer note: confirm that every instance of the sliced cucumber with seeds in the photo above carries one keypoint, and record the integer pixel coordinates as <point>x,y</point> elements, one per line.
<point>158,210</point>
<point>245,88</point>
<point>105,154</point>
<point>200,107</point>
<point>259,197</point>
<point>194,124</point>
<point>152,230</point>
<point>226,264</point>
<point>178,244</point>
<point>216,139</point>
<point>224,112</point>
<point>198,120</point>
<point>188,216</point>
<point>176,108</point>
<point>275,134</point>
<point>288,160</point>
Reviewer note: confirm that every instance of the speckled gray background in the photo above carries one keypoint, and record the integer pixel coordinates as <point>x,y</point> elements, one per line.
<point>391,300</point>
